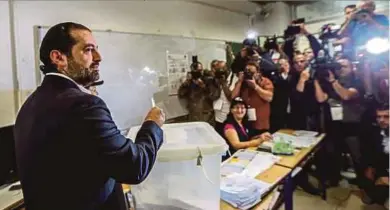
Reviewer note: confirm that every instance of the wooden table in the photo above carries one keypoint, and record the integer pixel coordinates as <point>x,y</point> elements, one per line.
<point>299,154</point>
<point>273,175</point>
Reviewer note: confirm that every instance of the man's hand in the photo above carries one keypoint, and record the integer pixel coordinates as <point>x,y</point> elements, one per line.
<point>156,115</point>
<point>382,181</point>
<point>200,83</point>
<point>303,29</point>
<point>240,76</point>
<point>304,75</point>
<point>251,83</point>
<point>331,78</point>
<point>370,173</point>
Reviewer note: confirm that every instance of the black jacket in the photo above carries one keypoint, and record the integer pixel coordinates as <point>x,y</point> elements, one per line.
<point>70,154</point>
<point>373,150</point>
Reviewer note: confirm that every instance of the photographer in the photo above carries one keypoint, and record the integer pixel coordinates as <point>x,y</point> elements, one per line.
<point>342,91</point>
<point>298,27</point>
<point>344,40</point>
<point>220,94</point>
<point>257,92</point>
<point>305,110</point>
<point>197,94</point>
<point>365,24</point>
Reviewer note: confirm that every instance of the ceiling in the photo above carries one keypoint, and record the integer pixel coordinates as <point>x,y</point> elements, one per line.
<point>246,7</point>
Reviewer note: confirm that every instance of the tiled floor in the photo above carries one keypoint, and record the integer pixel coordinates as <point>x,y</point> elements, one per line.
<point>338,199</point>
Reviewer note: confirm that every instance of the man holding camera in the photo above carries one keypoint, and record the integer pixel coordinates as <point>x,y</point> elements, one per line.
<point>257,92</point>
<point>220,94</point>
<point>304,107</point>
<point>365,24</point>
<point>343,92</point>
<point>196,92</point>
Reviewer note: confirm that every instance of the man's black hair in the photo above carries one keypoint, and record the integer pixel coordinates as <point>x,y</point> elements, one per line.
<point>382,106</point>
<point>58,38</point>
<point>351,6</point>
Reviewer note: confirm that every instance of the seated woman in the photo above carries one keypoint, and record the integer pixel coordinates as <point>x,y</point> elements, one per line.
<point>237,131</point>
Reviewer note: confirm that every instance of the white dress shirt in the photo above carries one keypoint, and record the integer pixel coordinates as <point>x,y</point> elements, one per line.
<point>82,88</point>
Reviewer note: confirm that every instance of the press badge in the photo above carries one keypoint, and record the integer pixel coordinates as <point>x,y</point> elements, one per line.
<point>217,105</point>
<point>251,114</point>
<point>337,112</point>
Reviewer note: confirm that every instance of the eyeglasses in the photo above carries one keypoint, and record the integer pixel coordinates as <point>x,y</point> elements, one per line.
<point>302,61</point>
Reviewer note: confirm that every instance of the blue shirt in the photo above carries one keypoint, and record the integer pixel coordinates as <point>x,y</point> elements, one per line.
<point>361,32</point>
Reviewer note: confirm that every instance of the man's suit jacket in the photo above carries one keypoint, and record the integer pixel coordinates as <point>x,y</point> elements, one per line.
<point>70,153</point>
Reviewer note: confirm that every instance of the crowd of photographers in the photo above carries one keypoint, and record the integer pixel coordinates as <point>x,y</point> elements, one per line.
<point>344,94</point>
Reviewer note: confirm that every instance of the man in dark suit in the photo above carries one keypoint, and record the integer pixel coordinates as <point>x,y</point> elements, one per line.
<point>70,154</point>
<point>375,158</point>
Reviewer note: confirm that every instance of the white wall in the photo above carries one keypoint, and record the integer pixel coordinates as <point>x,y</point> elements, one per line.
<point>276,22</point>
<point>7,107</point>
<point>151,17</point>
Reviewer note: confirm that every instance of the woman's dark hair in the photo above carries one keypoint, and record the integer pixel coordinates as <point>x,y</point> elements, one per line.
<point>58,38</point>
<point>230,118</point>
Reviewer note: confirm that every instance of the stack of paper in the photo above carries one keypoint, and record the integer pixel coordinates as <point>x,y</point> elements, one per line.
<point>261,162</point>
<point>241,191</point>
<point>250,163</point>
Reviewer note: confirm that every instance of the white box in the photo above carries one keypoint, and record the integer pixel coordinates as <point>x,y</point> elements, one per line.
<point>176,180</point>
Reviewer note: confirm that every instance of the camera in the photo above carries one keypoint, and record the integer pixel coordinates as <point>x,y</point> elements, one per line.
<point>329,31</point>
<point>271,43</point>
<point>248,75</point>
<point>361,14</point>
<point>322,65</point>
<point>220,74</point>
<point>195,74</point>
<point>293,29</point>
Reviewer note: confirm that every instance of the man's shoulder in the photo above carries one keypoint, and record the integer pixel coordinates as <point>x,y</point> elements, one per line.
<point>265,82</point>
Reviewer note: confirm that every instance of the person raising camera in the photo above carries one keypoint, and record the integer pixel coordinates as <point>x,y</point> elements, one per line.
<point>220,94</point>
<point>342,91</point>
<point>197,94</point>
<point>365,24</point>
<point>257,92</point>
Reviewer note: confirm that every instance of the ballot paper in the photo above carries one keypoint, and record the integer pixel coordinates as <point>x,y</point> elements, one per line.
<point>249,163</point>
<point>241,191</point>
<point>261,162</point>
<point>305,133</point>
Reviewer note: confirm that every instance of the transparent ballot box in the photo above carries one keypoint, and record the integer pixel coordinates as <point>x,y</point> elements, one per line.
<point>186,174</point>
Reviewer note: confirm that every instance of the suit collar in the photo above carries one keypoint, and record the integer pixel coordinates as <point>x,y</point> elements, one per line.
<point>55,74</point>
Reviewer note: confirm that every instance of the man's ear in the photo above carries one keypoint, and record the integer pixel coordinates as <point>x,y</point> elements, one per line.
<point>59,59</point>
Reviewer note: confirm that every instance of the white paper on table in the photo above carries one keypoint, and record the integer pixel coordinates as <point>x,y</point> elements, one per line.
<point>260,163</point>
<point>242,191</point>
<point>305,133</point>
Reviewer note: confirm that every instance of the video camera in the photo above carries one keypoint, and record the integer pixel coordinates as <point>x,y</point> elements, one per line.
<point>293,29</point>
<point>361,14</point>
<point>322,64</point>
<point>329,31</point>
<point>271,43</point>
